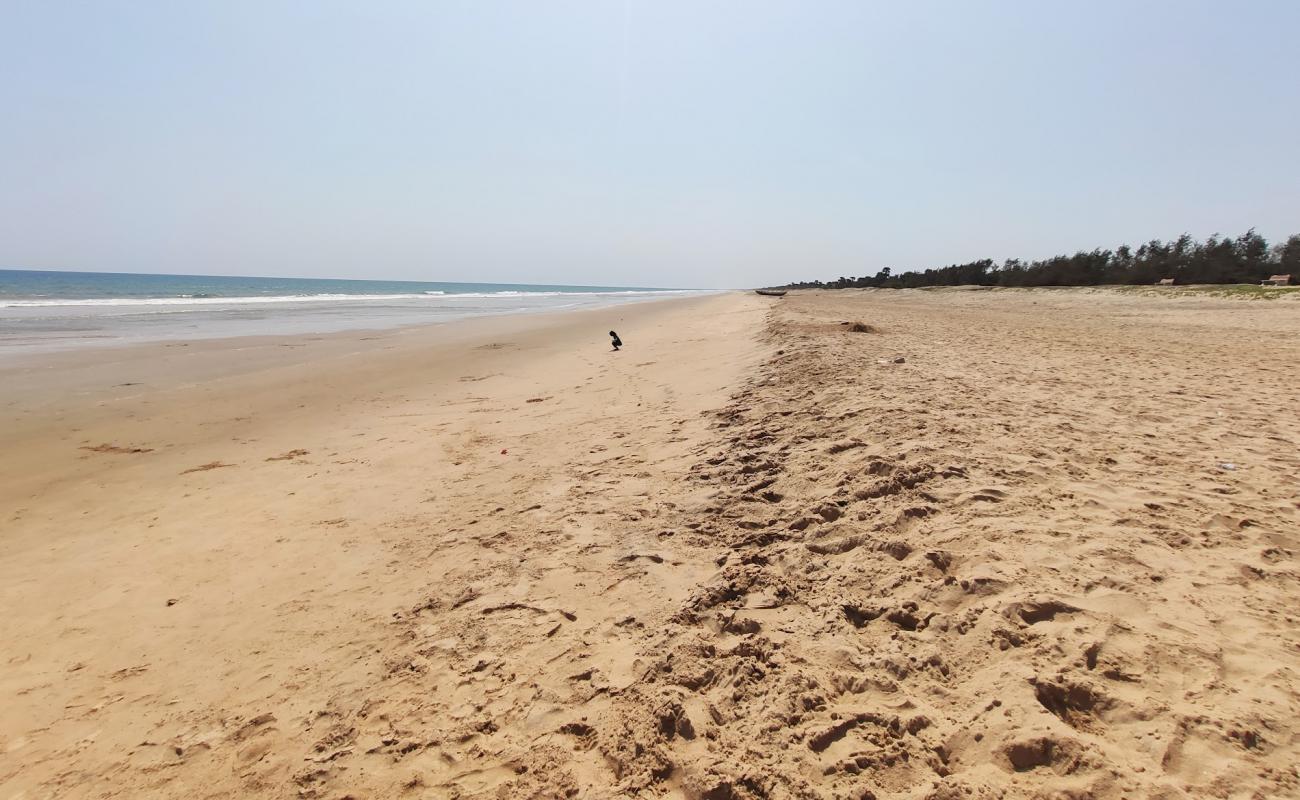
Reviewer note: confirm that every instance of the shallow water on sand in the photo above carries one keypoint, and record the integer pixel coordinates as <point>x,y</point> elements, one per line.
<point>42,311</point>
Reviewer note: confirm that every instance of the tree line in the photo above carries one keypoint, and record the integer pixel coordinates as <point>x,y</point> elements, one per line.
<point>1246,259</point>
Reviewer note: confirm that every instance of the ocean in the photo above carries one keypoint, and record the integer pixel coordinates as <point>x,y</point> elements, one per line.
<point>42,310</point>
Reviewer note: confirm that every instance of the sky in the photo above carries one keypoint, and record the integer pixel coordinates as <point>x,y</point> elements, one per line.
<point>634,142</point>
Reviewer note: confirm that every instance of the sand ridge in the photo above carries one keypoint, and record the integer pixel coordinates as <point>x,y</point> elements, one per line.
<point>961,568</point>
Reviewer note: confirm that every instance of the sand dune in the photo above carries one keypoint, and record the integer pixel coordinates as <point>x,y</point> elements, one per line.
<point>998,544</point>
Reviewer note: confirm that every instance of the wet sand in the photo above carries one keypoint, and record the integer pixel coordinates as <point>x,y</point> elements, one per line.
<point>1049,552</point>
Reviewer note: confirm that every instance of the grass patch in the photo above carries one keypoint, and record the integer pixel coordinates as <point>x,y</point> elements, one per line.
<point>1236,291</point>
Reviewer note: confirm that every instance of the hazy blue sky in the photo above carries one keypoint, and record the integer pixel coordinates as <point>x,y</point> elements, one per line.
<point>648,143</point>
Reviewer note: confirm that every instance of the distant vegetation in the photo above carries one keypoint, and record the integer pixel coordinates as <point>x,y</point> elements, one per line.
<point>1245,259</point>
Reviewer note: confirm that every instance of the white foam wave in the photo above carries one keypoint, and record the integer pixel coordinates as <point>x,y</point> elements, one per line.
<point>200,301</point>
<point>605,293</point>
<point>317,298</point>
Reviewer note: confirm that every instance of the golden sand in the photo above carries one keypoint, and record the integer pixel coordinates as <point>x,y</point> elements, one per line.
<point>997,544</point>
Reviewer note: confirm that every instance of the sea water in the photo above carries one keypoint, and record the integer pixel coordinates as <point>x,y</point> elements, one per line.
<point>41,310</point>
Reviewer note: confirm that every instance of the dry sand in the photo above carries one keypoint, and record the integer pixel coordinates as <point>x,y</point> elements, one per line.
<point>1052,552</point>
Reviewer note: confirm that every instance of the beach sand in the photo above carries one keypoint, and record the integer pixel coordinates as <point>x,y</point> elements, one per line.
<point>1001,544</point>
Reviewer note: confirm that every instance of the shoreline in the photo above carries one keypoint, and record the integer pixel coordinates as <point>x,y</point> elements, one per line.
<point>52,406</point>
<point>36,377</point>
<point>50,322</point>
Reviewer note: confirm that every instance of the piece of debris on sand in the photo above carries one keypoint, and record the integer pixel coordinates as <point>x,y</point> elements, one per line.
<point>206,467</point>
<point>113,448</point>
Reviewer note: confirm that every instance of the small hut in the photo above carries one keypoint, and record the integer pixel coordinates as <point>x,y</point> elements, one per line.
<point>1277,280</point>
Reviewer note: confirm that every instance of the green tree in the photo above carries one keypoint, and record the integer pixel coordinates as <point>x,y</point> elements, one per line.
<point>1286,258</point>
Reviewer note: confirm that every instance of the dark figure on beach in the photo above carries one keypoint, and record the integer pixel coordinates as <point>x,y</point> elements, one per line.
<point>617,341</point>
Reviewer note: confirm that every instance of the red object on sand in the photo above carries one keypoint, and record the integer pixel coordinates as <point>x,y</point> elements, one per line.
<point>503,452</point>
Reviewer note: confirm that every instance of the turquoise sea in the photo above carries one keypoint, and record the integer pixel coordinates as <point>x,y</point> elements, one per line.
<point>45,310</point>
